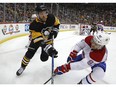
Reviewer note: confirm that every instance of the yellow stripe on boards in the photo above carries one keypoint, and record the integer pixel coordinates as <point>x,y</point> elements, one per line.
<point>12,37</point>
<point>21,35</point>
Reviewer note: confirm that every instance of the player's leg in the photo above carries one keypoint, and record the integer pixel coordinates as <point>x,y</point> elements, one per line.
<point>102,30</point>
<point>93,32</point>
<point>98,72</point>
<point>28,56</point>
<point>90,31</point>
<point>44,56</point>
<point>96,31</point>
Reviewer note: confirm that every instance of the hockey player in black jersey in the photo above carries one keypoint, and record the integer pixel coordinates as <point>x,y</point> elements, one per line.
<point>42,29</point>
<point>93,28</point>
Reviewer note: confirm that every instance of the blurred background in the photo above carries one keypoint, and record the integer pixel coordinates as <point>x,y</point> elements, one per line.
<point>68,13</point>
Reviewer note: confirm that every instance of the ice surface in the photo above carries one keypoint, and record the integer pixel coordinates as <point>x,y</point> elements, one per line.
<point>37,72</point>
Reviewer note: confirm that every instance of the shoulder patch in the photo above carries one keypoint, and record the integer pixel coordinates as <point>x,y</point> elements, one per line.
<point>88,40</point>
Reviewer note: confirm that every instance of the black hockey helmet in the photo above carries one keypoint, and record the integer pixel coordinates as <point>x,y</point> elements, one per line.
<point>40,8</point>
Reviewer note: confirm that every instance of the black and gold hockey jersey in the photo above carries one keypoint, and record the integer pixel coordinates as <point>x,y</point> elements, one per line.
<point>36,26</point>
<point>94,27</point>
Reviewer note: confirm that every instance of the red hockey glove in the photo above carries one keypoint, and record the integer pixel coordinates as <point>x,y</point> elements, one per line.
<point>72,56</point>
<point>62,69</point>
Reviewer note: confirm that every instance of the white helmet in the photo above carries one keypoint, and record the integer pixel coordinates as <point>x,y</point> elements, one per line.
<point>101,39</point>
<point>33,16</point>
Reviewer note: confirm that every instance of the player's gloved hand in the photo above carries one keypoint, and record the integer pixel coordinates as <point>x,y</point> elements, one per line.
<point>51,51</point>
<point>72,56</point>
<point>62,69</point>
<point>54,33</point>
<point>45,32</point>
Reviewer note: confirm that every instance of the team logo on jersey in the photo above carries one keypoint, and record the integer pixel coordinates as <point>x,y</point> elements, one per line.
<point>90,62</point>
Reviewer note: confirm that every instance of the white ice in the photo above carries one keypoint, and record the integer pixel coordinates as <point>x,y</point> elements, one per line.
<point>37,72</point>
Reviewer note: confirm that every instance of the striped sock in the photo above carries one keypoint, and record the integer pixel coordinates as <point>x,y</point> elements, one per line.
<point>25,61</point>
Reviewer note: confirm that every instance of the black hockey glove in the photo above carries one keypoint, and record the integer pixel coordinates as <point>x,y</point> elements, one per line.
<point>54,33</point>
<point>51,51</point>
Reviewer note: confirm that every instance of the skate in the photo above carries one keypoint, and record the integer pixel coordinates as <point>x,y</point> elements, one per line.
<point>80,82</point>
<point>20,71</point>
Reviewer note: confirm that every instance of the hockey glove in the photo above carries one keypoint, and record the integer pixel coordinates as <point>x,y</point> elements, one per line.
<point>72,56</point>
<point>62,69</point>
<point>51,51</point>
<point>54,33</point>
<point>46,32</point>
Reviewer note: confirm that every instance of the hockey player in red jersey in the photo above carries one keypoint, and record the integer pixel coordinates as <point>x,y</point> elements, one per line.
<point>94,55</point>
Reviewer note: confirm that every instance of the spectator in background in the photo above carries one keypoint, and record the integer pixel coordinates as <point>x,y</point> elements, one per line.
<point>68,13</point>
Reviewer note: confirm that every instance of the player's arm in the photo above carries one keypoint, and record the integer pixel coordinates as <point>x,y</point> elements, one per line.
<point>80,45</point>
<point>36,36</point>
<point>55,29</point>
<point>38,40</point>
<point>76,49</point>
<point>73,54</point>
<point>56,23</point>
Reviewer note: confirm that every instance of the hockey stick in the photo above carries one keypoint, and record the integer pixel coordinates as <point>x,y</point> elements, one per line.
<point>52,74</point>
<point>49,79</point>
